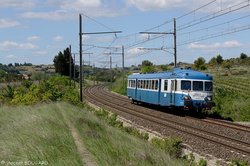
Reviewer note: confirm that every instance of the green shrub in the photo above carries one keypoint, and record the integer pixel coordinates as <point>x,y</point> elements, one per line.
<point>202,162</point>
<point>170,144</point>
<point>53,89</point>
<point>230,105</point>
<point>135,132</point>
<point>237,163</point>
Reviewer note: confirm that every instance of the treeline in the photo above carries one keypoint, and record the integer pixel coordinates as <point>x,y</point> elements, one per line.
<point>9,74</point>
<point>9,69</point>
<point>200,63</point>
<point>20,64</point>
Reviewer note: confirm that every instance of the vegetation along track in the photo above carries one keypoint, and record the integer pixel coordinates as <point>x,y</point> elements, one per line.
<point>204,136</point>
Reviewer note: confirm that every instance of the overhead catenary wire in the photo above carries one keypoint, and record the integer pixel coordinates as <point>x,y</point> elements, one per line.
<point>135,40</point>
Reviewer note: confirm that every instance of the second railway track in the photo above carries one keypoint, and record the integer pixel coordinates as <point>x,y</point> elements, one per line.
<point>206,136</point>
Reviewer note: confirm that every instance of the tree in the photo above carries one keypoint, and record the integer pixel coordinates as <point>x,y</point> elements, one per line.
<point>213,61</point>
<point>219,59</point>
<point>147,63</point>
<point>164,67</point>
<point>200,63</point>
<point>228,65</point>
<point>147,67</point>
<point>243,56</point>
<point>62,63</point>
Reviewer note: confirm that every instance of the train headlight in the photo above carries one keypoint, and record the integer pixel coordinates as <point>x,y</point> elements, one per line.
<point>187,98</point>
<point>208,99</point>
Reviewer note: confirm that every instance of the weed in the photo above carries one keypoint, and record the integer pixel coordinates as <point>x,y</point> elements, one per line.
<point>169,144</point>
<point>236,162</point>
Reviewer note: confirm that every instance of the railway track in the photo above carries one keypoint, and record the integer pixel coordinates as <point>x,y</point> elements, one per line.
<point>207,133</point>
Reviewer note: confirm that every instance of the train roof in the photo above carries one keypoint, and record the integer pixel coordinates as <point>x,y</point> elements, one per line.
<point>177,73</point>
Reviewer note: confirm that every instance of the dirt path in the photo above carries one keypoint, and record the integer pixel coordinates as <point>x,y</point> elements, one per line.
<point>86,158</point>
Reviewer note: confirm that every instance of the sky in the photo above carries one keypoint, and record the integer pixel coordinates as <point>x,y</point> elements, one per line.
<point>35,31</point>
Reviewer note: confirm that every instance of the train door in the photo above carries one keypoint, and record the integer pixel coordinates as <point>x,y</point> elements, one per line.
<point>172,91</point>
<point>159,91</point>
<point>136,88</point>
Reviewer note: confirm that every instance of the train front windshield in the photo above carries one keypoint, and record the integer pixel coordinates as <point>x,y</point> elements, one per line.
<point>196,85</point>
<point>208,86</point>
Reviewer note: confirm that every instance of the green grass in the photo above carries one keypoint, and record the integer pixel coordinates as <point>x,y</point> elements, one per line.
<point>110,146</point>
<point>40,134</point>
<point>36,134</point>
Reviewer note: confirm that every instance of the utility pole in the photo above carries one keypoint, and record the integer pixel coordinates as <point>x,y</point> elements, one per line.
<point>173,33</point>
<point>94,72</point>
<point>175,48</point>
<point>70,76</point>
<point>74,72</point>
<point>80,51</point>
<point>122,62</point>
<point>111,71</point>
<point>123,68</point>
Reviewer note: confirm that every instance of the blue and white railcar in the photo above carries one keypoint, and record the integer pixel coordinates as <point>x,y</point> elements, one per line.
<point>184,88</point>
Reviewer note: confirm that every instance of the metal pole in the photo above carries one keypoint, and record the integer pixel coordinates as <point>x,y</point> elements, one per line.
<point>74,72</point>
<point>94,72</point>
<point>123,67</point>
<point>80,51</point>
<point>70,76</point>
<point>175,49</point>
<point>111,71</point>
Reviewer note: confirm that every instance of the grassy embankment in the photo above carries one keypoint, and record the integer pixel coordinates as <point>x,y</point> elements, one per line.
<point>40,134</point>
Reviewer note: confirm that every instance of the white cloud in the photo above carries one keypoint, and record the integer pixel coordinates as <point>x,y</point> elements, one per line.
<point>54,15</point>
<point>79,5</point>
<point>18,4</point>
<point>11,56</point>
<point>27,46</point>
<point>58,38</point>
<point>137,50</point>
<point>146,5</point>
<point>227,44</point>
<point>8,45</point>
<point>152,5</point>
<point>85,38</point>
<point>69,9</point>
<point>104,39</point>
<point>33,38</point>
<point>7,23</point>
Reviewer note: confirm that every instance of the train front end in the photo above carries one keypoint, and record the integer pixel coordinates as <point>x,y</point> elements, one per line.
<point>196,90</point>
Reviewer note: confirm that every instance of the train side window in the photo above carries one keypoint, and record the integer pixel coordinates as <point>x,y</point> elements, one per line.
<point>208,86</point>
<point>185,85</point>
<point>153,84</point>
<point>198,85</point>
<point>165,85</point>
<point>156,85</point>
